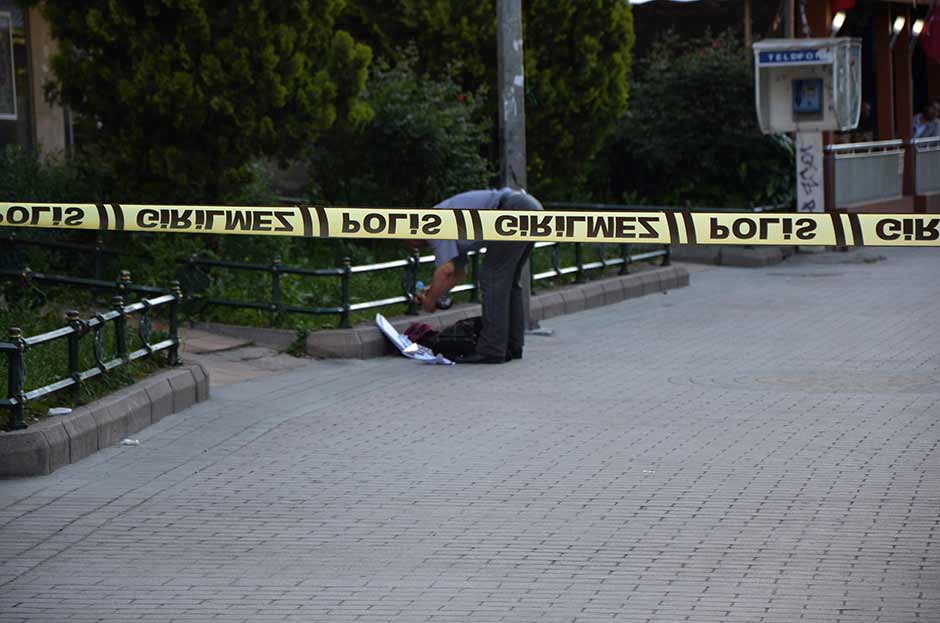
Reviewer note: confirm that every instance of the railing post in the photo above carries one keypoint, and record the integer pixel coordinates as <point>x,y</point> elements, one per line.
<point>347,273</point>
<point>124,284</point>
<point>74,372</point>
<point>16,373</point>
<point>276,288</point>
<point>14,248</point>
<point>625,256</point>
<point>26,275</point>
<point>174,351</point>
<point>474,275</point>
<point>411,280</point>
<point>99,258</point>
<point>120,327</point>
<point>667,259</point>
<point>579,262</point>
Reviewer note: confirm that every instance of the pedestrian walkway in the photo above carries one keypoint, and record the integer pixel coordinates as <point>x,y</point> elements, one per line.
<point>230,360</point>
<point>761,446</point>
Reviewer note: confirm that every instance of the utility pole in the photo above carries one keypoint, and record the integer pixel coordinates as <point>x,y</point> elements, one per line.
<point>789,30</point>
<point>747,24</point>
<point>512,165</point>
<point>512,154</point>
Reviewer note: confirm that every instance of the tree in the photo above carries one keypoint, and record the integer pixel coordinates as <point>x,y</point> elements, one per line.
<point>577,66</point>
<point>180,95</point>
<point>578,58</point>
<point>691,136</point>
<point>422,145</point>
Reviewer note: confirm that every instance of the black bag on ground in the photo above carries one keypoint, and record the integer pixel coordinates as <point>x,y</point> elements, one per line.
<point>458,339</point>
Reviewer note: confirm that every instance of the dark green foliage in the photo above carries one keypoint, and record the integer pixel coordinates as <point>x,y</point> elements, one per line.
<point>180,95</point>
<point>691,136</point>
<point>577,66</point>
<point>578,59</point>
<point>24,176</point>
<point>422,145</point>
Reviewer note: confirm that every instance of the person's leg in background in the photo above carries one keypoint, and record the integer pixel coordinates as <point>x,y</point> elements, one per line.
<point>517,319</point>
<point>498,276</point>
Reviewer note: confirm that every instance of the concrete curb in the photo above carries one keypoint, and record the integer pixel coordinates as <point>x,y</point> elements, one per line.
<point>728,255</point>
<point>57,441</point>
<point>277,339</point>
<point>366,341</point>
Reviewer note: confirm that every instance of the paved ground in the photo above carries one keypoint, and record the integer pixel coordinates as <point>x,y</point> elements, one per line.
<point>231,360</point>
<point>761,446</point>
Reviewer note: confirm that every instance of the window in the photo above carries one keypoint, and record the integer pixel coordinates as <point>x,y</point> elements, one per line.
<point>15,109</point>
<point>7,77</point>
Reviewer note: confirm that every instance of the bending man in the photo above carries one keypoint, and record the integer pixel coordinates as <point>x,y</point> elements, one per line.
<point>503,331</point>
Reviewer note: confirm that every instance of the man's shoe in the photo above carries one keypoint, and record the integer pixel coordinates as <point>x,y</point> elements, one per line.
<point>514,354</point>
<point>478,358</point>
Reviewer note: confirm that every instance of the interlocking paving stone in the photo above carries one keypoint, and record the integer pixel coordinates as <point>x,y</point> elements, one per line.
<point>762,446</point>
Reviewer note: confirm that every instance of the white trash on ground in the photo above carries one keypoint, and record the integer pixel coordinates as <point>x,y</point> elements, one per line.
<point>408,348</point>
<point>130,442</point>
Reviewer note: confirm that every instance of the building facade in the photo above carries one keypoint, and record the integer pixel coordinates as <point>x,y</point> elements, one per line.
<point>881,167</point>
<point>26,118</point>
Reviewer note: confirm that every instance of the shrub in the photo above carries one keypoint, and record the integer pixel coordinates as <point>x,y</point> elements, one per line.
<point>691,135</point>
<point>577,63</point>
<point>181,96</point>
<point>422,144</point>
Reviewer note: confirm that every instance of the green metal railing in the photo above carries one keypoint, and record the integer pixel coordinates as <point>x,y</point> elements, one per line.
<point>276,270</point>
<point>410,267</point>
<point>627,256</point>
<point>122,286</point>
<point>17,346</point>
<point>99,252</point>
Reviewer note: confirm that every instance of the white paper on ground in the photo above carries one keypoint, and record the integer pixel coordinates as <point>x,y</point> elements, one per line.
<point>408,348</point>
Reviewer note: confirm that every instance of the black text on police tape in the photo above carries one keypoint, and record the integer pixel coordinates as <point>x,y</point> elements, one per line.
<point>762,228</point>
<point>31,215</point>
<point>393,224</point>
<point>208,218</point>
<point>910,229</point>
<point>564,226</point>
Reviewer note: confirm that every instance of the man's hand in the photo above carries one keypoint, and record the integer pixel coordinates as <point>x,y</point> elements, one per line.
<point>421,296</point>
<point>446,276</point>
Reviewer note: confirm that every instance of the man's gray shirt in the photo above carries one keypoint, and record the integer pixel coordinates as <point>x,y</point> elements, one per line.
<point>456,250</point>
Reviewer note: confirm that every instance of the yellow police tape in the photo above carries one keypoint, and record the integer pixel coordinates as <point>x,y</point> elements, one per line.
<point>489,225</point>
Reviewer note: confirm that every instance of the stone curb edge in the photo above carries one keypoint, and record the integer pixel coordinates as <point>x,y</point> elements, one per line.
<point>365,342</point>
<point>48,445</point>
<point>729,255</point>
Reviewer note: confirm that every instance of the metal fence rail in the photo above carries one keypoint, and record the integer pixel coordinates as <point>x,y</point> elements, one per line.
<point>866,172</point>
<point>98,250</point>
<point>927,165</point>
<point>626,258</point>
<point>122,285</point>
<point>17,346</point>
<point>275,269</point>
<point>409,267</point>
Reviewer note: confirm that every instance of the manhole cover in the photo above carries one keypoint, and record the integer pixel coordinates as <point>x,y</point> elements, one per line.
<point>863,382</point>
<point>810,275</point>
